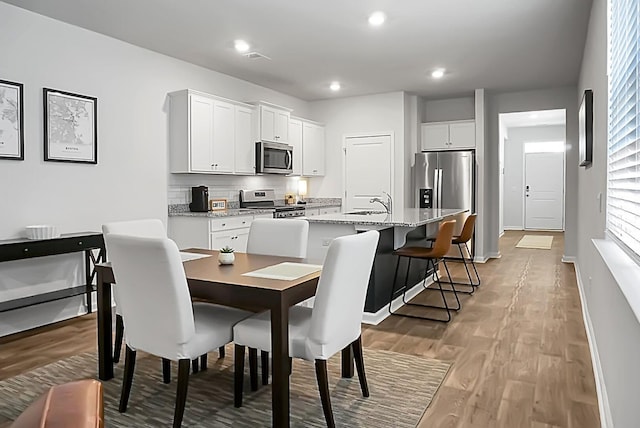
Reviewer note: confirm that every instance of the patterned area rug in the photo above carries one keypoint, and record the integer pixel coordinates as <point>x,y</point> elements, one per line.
<point>401,387</point>
<point>539,242</point>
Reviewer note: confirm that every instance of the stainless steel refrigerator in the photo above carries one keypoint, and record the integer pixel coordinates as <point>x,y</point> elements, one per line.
<point>445,180</point>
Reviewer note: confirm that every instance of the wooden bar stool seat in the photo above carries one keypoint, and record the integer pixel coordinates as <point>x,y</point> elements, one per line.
<point>433,256</point>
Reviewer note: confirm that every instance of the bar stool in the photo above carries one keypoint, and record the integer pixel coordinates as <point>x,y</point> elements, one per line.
<point>462,240</point>
<point>433,256</point>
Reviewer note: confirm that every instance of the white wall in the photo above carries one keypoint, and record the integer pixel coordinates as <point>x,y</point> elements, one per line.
<point>508,102</point>
<point>503,135</point>
<point>615,329</point>
<point>130,180</point>
<point>514,168</point>
<point>380,113</point>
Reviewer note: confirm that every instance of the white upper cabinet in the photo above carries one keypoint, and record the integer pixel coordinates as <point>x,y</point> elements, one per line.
<point>223,145</point>
<point>313,149</point>
<point>449,135</point>
<point>209,134</point>
<point>245,143</point>
<point>295,140</point>
<point>274,123</point>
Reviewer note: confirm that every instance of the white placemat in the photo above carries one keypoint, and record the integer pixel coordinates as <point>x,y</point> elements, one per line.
<point>192,256</point>
<point>286,271</point>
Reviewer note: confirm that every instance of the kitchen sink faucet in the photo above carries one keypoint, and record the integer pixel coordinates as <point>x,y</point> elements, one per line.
<point>388,206</point>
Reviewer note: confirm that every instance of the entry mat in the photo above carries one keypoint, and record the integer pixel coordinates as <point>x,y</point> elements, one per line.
<point>540,242</point>
<point>286,271</point>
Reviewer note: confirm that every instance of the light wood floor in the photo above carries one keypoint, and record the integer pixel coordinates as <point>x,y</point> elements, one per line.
<point>518,346</point>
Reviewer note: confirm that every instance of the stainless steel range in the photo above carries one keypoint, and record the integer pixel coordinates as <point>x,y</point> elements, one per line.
<point>266,198</point>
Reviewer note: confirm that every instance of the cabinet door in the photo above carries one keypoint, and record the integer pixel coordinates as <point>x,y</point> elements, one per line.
<point>201,133</point>
<point>223,137</point>
<point>267,124</point>
<point>295,139</point>
<point>311,212</point>
<point>330,210</point>
<point>312,149</point>
<point>462,135</point>
<point>222,239</point>
<point>435,136</point>
<point>245,146</point>
<point>282,126</point>
<point>240,239</point>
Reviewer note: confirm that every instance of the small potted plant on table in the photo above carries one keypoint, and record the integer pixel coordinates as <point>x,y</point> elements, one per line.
<point>226,256</point>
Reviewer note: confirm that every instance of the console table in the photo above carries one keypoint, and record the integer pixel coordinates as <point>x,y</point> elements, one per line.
<point>20,249</point>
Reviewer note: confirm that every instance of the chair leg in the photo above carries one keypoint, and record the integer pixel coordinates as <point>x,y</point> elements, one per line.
<point>117,346</point>
<point>166,370</point>
<point>129,367</point>
<point>393,285</point>
<point>253,368</point>
<point>473,264</point>
<point>238,374</point>
<point>264,363</point>
<point>203,362</point>
<point>323,387</point>
<point>196,365</point>
<point>221,352</point>
<point>359,359</point>
<point>181,393</point>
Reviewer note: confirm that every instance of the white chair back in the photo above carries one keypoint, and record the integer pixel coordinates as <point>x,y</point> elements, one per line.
<point>153,294</point>
<point>278,237</point>
<point>146,228</point>
<point>341,293</point>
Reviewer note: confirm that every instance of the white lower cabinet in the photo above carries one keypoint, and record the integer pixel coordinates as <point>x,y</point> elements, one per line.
<point>211,233</point>
<point>311,212</point>
<point>329,210</point>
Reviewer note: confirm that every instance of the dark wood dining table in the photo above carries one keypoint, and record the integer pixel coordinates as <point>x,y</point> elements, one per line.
<point>226,285</point>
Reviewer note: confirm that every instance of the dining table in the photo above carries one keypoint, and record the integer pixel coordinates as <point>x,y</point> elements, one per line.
<point>227,285</point>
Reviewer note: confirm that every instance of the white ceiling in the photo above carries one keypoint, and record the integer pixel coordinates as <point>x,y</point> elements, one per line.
<point>533,118</point>
<point>492,44</point>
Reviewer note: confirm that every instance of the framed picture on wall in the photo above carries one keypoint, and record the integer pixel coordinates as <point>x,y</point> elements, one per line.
<point>585,131</point>
<point>11,121</point>
<point>70,127</point>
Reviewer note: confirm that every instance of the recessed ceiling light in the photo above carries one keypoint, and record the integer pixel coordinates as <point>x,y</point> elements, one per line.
<point>438,74</point>
<point>376,19</point>
<point>241,46</point>
<point>335,86</point>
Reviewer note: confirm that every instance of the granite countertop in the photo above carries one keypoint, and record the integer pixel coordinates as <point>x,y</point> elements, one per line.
<point>321,204</point>
<point>402,217</point>
<point>225,213</point>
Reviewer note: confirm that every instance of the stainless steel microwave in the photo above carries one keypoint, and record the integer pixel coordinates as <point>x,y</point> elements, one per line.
<point>274,158</point>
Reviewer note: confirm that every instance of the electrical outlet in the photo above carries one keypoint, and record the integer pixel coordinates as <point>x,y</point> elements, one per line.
<point>326,242</point>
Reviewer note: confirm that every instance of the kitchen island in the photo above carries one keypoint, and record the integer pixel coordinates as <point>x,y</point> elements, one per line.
<point>409,226</point>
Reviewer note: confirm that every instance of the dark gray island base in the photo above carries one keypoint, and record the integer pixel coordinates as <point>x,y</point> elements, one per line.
<point>409,226</point>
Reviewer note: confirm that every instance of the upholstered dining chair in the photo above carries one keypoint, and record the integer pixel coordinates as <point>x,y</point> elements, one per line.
<point>334,322</point>
<point>167,325</point>
<point>274,237</point>
<point>146,228</point>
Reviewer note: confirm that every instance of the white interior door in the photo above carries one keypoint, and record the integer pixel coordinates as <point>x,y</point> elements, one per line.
<point>367,172</point>
<point>544,191</point>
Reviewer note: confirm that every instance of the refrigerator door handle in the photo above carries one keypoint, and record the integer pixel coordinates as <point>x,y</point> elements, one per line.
<point>436,190</point>
<point>440,188</point>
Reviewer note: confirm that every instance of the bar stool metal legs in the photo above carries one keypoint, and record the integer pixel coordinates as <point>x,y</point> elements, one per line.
<point>430,263</point>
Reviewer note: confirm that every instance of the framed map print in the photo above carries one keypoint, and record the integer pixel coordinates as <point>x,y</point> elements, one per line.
<point>11,121</point>
<point>70,127</point>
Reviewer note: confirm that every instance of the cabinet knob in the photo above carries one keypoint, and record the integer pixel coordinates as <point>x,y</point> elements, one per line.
<point>26,250</point>
<point>79,242</point>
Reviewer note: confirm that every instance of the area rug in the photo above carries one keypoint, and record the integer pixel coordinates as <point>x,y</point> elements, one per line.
<point>401,387</point>
<point>540,242</point>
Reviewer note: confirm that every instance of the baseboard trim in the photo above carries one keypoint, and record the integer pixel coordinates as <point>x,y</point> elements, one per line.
<point>606,419</point>
<point>513,228</point>
<point>484,259</point>
<point>377,317</point>
<point>568,259</point>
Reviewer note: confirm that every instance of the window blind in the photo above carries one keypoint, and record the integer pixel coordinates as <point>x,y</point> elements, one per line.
<point>623,186</point>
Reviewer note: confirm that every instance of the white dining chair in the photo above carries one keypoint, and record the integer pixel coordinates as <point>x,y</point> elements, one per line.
<point>274,237</point>
<point>144,228</point>
<point>149,228</point>
<point>334,322</point>
<point>158,314</point>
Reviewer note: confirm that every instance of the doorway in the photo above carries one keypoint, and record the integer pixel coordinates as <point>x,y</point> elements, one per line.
<point>367,171</point>
<point>544,187</point>
<point>536,138</point>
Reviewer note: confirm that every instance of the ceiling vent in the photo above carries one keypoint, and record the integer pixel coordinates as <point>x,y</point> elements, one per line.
<point>255,55</point>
